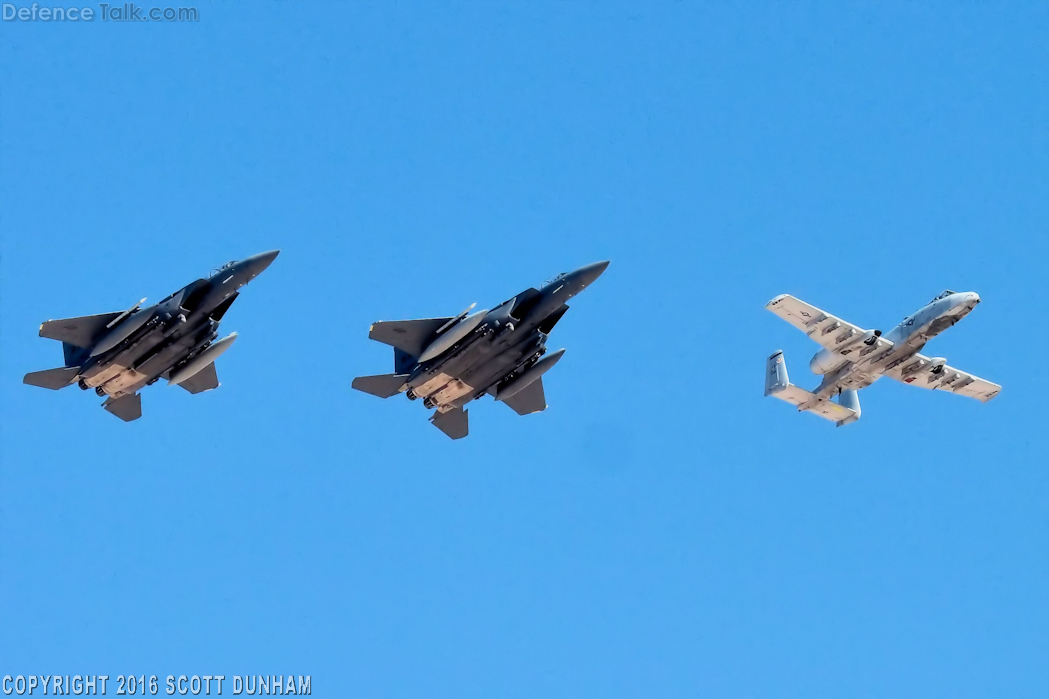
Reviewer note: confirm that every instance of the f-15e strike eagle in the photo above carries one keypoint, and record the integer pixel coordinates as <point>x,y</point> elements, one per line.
<point>119,353</point>
<point>448,362</point>
<point>853,358</point>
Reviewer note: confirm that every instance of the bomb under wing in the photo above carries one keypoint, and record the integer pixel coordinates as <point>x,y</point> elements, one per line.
<point>117,354</point>
<point>449,362</point>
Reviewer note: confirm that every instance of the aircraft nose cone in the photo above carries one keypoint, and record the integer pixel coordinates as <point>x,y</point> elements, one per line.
<point>257,264</point>
<point>588,274</point>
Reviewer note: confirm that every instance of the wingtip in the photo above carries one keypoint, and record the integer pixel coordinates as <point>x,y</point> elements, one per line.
<point>776,300</point>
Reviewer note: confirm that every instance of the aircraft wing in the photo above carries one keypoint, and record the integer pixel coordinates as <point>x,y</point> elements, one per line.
<point>829,331</point>
<point>410,336</point>
<point>913,372</point>
<point>204,380</point>
<point>79,332</point>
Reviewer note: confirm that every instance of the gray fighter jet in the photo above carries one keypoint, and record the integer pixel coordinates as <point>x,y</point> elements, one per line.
<point>119,353</point>
<point>448,362</point>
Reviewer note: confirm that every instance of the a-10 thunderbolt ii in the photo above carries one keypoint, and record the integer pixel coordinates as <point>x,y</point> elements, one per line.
<point>448,362</point>
<point>853,358</point>
<point>119,353</point>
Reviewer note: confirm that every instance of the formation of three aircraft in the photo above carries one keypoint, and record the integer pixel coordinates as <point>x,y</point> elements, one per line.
<point>448,362</point>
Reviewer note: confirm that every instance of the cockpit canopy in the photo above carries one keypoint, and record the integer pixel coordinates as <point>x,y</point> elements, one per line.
<point>221,269</point>
<point>556,279</point>
<point>945,294</point>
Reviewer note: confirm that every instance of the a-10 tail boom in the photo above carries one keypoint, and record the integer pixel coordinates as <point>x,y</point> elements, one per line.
<point>778,385</point>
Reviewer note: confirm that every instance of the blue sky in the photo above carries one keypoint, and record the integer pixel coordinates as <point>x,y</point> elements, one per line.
<point>662,529</point>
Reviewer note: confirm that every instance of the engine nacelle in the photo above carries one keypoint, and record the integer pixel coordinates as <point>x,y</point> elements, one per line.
<point>826,361</point>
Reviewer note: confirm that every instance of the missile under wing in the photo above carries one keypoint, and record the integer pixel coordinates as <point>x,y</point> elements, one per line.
<point>448,362</point>
<point>118,353</point>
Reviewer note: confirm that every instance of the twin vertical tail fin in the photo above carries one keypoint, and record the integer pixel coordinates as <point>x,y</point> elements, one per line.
<point>776,379</point>
<point>778,385</point>
<point>403,362</point>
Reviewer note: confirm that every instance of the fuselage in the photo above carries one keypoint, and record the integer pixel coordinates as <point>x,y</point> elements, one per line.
<point>507,342</point>
<point>859,366</point>
<point>172,333</point>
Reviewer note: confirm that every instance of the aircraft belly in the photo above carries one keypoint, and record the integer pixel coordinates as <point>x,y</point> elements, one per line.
<point>498,366</point>
<point>126,358</point>
<point>451,391</point>
<point>858,380</point>
<point>431,386</point>
<point>122,381</point>
<point>102,374</point>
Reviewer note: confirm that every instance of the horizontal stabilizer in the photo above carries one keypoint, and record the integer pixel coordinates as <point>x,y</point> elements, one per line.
<point>530,399</point>
<point>80,332</point>
<point>52,378</point>
<point>383,385</point>
<point>778,385</point>
<point>127,408</point>
<point>204,380</point>
<point>454,423</point>
<point>410,336</point>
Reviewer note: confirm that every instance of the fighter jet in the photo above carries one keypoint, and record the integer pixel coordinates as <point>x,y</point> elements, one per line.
<point>853,358</point>
<point>448,362</point>
<point>119,353</point>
